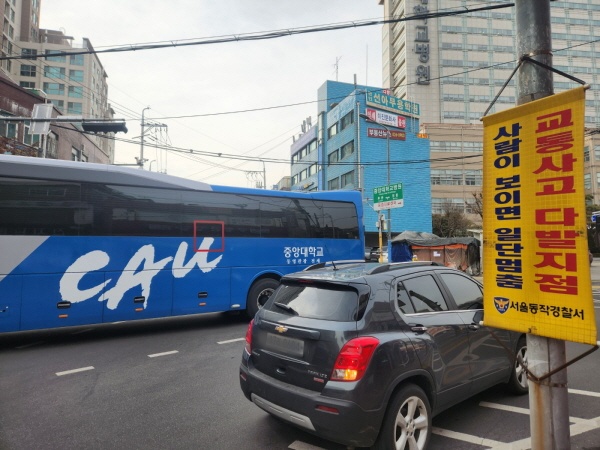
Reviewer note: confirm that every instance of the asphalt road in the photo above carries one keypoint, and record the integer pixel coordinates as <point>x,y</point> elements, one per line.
<point>173,384</point>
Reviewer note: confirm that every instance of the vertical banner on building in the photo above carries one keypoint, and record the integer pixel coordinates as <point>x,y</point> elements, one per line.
<point>535,248</point>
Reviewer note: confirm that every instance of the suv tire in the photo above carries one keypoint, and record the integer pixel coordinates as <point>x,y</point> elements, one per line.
<point>518,383</point>
<point>407,423</point>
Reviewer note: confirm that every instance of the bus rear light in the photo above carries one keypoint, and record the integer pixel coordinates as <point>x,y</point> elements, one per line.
<point>63,316</point>
<point>248,346</point>
<point>353,360</point>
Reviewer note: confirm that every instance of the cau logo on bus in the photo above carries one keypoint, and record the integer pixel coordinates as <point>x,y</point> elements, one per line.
<point>139,271</point>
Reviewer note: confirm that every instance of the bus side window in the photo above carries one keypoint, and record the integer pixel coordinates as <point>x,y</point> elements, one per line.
<point>209,236</point>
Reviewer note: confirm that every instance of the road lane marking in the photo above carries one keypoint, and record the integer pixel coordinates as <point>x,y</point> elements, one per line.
<point>588,393</point>
<point>586,425</point>
<point>232,340</point>
<point>521,410</point>
<point>579,428</point>
<point>155,355</point>
<point>68,372</point>
<point>466,437</point>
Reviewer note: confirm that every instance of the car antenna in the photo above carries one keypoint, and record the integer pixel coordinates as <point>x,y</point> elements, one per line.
<point>333,264</point>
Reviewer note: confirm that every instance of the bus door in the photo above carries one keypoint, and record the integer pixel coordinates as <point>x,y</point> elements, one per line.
<point>202,284</point>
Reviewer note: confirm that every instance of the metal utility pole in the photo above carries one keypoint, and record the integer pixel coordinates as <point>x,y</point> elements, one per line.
<point>141,160</point>
<point>548,399</point>
<point>389,211</point>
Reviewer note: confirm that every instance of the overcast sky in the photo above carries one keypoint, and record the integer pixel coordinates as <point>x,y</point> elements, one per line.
<point>218,78</point>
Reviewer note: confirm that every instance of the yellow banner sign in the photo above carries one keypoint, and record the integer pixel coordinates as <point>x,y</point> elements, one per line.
<point>535,248</point>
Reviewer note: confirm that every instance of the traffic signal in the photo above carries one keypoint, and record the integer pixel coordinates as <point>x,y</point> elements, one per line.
<point>104,126</point>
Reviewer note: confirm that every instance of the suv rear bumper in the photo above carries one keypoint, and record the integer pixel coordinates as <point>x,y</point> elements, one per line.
<point>351,426</point>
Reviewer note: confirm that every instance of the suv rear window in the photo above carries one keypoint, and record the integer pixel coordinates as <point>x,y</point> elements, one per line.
<point>316,301</point>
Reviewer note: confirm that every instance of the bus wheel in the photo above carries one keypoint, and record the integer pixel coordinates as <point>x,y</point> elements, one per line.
<point>259,293</point>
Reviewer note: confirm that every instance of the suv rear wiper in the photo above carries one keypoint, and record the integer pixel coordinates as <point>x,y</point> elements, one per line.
<point>286,307</point>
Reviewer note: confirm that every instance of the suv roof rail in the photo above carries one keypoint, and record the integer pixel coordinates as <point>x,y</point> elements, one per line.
<point>401,265</point>
<point>334,264</point>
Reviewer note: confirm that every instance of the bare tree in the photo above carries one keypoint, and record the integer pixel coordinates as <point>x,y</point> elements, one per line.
<point>477,205</point>
<point>452,222</point>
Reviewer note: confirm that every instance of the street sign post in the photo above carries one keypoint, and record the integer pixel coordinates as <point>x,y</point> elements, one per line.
<point>387,197</point>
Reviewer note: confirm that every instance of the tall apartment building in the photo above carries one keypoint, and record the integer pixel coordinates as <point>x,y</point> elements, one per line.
<point>75,84</point>
<point>454,67</point>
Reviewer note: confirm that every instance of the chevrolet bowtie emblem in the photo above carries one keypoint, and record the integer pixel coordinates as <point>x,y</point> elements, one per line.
<point>280,329</point>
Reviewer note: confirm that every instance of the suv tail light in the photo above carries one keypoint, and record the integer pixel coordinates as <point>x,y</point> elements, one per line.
<point>248,346</point>
<point>353,360</point>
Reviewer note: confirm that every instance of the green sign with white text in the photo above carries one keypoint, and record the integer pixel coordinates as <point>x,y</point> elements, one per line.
<point>387,197</point>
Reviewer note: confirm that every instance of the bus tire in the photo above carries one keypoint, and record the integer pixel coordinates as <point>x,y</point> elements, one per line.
<point>259,293</point>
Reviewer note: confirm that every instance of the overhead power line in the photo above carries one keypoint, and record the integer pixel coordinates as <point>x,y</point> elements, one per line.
<point>267,35</point>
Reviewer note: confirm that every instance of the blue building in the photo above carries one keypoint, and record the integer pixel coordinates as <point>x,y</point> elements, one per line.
<point>365,139</point>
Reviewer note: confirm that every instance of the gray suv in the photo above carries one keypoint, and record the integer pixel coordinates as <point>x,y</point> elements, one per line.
<point>365,354</point>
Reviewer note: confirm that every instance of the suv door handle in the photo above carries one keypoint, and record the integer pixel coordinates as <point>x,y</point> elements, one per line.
<point>418,328</point>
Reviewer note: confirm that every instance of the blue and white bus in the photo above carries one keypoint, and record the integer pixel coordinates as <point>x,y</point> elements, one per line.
<point>84,243</point>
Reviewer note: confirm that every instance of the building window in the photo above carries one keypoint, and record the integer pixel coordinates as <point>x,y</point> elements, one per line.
<point>449,177</point>
<point>11,130</point>
<point>74,108</point>
<point>442,205</point>
<point>28,53</point>
<point>57,58</point>
<point>54,72</point>
<point>30,139</point>
<point>333,184</point>
<point>456,146</point>
<point>348,179</point>
<point>27,70</point>
<point>347,120</point>
<point>473,178</point>
<point>333,130</point>
<point>76,75</point>
<point>347,150</point>
<point>333,157</point>
<point>76,91</point>
<point>598,179</point>
<point>587,181</point>
<point>60,104</point>
<point>27,84</point>
<point>76,60</point>
<point>54,88</point>
<point>586,153</point>
<point>312,169</point>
